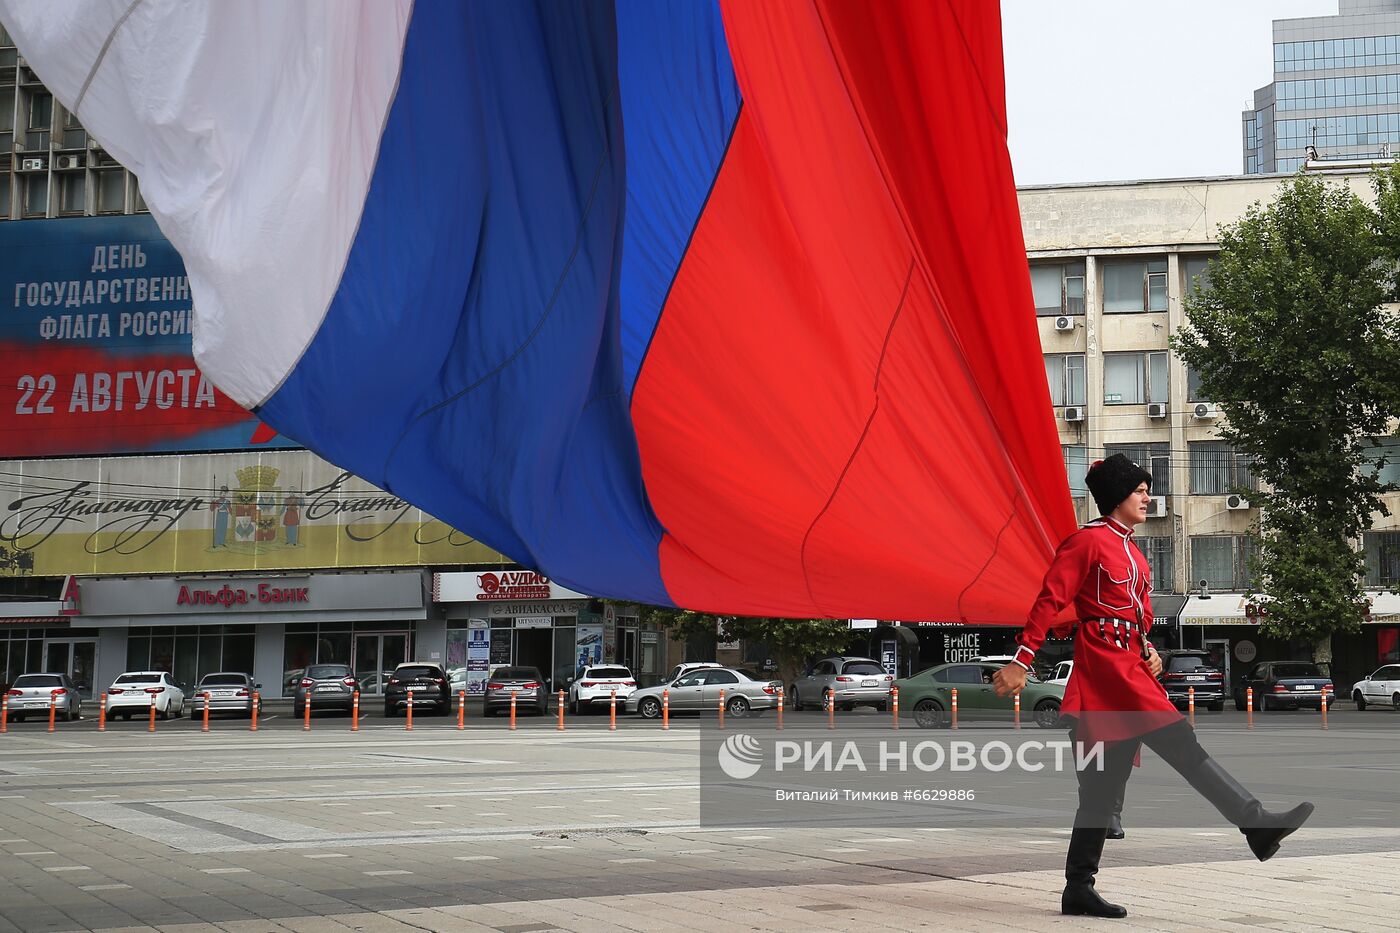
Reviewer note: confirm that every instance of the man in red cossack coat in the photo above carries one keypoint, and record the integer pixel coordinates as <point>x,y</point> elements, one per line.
<point>1113,695</point>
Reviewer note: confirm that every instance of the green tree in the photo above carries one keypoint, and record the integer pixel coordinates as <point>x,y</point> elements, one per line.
<point>791,641</point>
<point>1291,340</point>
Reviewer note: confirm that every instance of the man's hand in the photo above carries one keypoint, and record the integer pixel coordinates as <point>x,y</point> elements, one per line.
<point>1154,661</point>
<point>1011,680</point>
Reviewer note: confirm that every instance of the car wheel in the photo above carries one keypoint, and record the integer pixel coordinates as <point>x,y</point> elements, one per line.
<point>163,714</point>
<point>298,712</point>
<point>16,717</point>
<point>1047,714</point>
<point>1395,701</point>
<point>848,707</point>
<point>1239,703</point>
<point>649,708</point>
<point>1259,702</point>
<point>1217,707</point>
<point>574,707</point>
<point>796,700</point>
<point>882,707</point>
<point>1360,701</point>
<point>929,714</point>
<point>738,707</point>
<point>389,711</point>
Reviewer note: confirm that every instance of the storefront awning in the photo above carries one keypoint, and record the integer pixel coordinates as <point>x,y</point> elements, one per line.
<point>32,612</point>
<point>33,620</point>
<point>1234,609</point>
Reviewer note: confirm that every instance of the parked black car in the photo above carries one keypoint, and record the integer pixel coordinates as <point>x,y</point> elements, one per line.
<point>420,684</point>
<point>1185,670</point>
<point>1286,685</point>
<point>325,686</point>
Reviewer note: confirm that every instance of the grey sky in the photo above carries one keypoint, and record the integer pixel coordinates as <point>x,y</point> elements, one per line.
<point>1102,90</point>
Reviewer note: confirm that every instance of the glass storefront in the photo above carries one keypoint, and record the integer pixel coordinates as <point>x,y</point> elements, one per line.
<point>190,651</point>
<point>372,649</point>
<point>560,646</point>
<point>21,652</point>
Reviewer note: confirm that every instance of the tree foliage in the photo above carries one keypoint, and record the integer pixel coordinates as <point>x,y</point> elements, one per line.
<point>1291,340</point>
<point>790,641</point>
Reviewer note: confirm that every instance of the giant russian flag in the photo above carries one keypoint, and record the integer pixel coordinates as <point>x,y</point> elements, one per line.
<point>707,303</point>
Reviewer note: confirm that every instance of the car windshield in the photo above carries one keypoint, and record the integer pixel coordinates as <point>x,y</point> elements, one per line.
<point>38,680</point>
<point>223,680</point>
<point>327,671</point>
<point>1187,662</point>
<point>138,678</point>
<point>418,670</point>
<point>862,667</point>
<point>1299,669</point>
<point>517,673</point>
<point>610,673</point>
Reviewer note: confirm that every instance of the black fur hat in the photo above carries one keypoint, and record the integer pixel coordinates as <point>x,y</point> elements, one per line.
<point>1113,480</point>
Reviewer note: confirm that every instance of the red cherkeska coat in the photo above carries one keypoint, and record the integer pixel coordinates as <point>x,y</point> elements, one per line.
<point>1112,690</point>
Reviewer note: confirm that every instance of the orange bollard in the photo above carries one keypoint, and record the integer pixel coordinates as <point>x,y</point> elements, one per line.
<point>665,710</point>
<point>512,709</point>
<point>894,706</point>
<point>4,714</point>
<point>561,711</point>
<point>1016,708</point>
<point>355,711</point>
<point>102,713</point>
<point>152,726</point>
<point>408,712</point>
<point>461,709</point>
<point>782,701</point>
<point>612,711</point>
<point>53,708</point>
<point>830,708</point>
<point>954,723</point>
<point>253,717</point>
<point>306,714</point>
<point>1325,691</point>
<point>1249,707</point>
<point>721,707</point>
<point>1191,704</point>
<point>205,726</point>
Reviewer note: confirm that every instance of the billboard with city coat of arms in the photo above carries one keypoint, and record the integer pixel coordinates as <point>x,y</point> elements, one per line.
<point>273,510</point>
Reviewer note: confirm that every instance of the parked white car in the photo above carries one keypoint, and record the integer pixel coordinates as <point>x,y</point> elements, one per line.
<point>1062,672</point>
<point>1381,687</point>
<point>131,695</point>
<point>594,686</point>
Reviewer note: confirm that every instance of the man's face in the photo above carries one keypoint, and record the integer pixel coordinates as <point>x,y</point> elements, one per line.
<point>1133,510</point>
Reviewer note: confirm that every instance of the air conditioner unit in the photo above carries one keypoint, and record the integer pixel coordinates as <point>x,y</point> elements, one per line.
<point>1074,413</point>
<point>1064,322</point>
<point>1236,503</point>
<point>1204,411</point>
<point>1157,410</point>
<point>31,165</point>
<point>70,161</point>
<point>1157,507</point>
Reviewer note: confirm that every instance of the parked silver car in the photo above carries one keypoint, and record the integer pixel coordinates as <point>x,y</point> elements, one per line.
<point>31,694</point>
<point>852,681</point>
<point>228,693</point>
<point>531,690</point>
<point>699,690</point>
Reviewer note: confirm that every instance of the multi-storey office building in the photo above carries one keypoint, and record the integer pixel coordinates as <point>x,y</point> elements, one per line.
<point>1336,88</point>
<point>1110,267</point>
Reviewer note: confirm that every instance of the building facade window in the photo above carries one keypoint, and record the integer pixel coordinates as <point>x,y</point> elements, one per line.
<point>1158,550</point>
<point>1134,378</point>
<point>1135,286</point>
<point>1319,54</point>
<point>21,652</point>
<point>1193,386</point>
<point>1065,373</point>
<point>1221,562</point>
<point>1076,467</point>
<point>1196,274</point>
<point>1058,288</point>
<point>1217,470</point>
<point>1384,453</point>
<point>1382,558</point>
<point>1155,458</point>
<point>190,651</point>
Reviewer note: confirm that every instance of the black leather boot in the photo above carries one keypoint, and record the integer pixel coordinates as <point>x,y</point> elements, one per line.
<point>1115,822</point>
<point>1081,865</point>
<point>1263,829</point>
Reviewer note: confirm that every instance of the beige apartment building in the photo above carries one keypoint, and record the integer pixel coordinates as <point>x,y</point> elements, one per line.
<point>1110,266</point>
